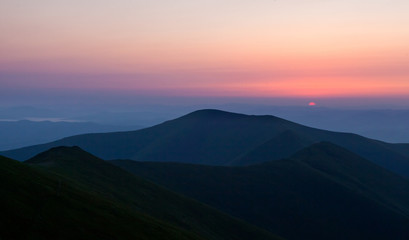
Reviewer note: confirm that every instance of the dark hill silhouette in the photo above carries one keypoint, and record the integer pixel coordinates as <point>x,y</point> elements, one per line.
<point>280,146</point>
<point>214,137</point>
<point>113,183</point>
<point>39,205</point>
<point>322,192</point>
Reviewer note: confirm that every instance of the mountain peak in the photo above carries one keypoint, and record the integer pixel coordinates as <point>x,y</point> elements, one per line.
<point>215,114</point>
<point>65,149</point>
<point>60,154</point>
<point>210,113</point>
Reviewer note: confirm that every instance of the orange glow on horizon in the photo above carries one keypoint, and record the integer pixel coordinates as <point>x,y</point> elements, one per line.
<point>214,48</point>
<point>312,104</point>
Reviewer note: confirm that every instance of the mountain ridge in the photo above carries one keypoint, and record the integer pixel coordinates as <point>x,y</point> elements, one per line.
<point>111,182</point>
<point>36,204</point>
<point>215,137</point>
<point>322,192</point>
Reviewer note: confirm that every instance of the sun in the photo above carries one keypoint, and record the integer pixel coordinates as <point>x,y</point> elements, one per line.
<point>312,104</point>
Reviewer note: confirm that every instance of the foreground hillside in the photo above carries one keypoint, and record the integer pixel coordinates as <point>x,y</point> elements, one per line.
<point>85,173</point>
<point>40,205</point>
<point>321,192</point>
<point>213,137</point>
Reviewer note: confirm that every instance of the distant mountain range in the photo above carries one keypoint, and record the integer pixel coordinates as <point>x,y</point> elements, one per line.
<point>377,122</point>
<point>214,137</point>
<point>208,175</point>
<point>16,134</point>
<point>66,193</point>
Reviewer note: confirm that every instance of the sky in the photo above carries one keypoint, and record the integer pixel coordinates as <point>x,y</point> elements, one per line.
<point>307,49</point>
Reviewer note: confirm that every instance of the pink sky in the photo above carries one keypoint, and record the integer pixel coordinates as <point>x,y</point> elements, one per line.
<point>285,48</point>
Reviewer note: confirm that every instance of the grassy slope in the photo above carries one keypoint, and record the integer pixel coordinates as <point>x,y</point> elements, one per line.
<point>322,192</point>
<point>214,137</point>
<point>39,205</point>
<point>118,185</point>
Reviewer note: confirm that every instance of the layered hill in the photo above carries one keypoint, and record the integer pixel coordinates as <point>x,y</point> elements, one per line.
<point>214,137</point>
<point>93,175</point>
<point>39,205</point>
<point>321,192</point>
